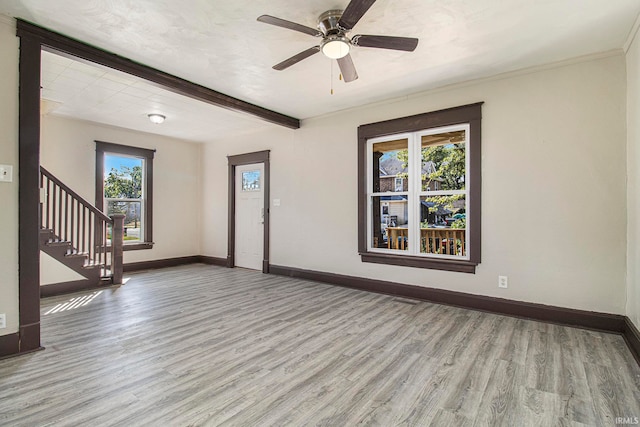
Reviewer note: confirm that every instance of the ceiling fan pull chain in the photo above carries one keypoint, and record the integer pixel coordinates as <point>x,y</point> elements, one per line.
<point>331,66</point>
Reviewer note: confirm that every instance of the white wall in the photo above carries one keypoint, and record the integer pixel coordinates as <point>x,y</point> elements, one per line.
<point>67,149</point>
<point>554,194</point>
<point>53,271</point>
<point>633,182</point>
<point>9,191</point>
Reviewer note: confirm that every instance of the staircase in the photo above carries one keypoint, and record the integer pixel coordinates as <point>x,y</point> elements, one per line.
<point>78,235</point>
<point>64,252</point>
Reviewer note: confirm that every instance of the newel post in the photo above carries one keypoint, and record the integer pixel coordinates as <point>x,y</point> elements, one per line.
<point>117,240</point>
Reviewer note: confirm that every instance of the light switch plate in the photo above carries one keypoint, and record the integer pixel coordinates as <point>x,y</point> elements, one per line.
<point>276,202</point>
<point>6,173</point>
<point>3,321</point>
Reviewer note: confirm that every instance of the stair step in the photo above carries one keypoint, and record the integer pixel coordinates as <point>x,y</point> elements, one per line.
<point>58,243</point>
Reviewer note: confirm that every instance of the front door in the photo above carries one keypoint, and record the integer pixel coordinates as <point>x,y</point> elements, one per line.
<point>249,201</point>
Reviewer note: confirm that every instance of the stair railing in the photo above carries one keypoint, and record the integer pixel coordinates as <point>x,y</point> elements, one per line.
<point>90,232</point>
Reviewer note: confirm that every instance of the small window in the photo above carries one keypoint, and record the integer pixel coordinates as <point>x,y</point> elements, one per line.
<point>251,180</point>
<point>430,218</point>
<point>124,185</point>
<point>399,186</point>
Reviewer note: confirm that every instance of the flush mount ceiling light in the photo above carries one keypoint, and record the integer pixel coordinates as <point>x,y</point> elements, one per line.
<point>335,47</point>
<point>156,118</point>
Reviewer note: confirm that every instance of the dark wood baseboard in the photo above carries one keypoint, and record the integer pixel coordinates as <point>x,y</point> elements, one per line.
<point>161,263</point>
<point>222,262</point>
<point>27,340</point>
<point>565,316</point>
<point>632,337</point>
<point>9,344</point>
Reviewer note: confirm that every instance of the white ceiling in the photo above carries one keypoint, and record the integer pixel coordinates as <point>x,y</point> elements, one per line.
<point>82,91</point>
<point>221,45</point>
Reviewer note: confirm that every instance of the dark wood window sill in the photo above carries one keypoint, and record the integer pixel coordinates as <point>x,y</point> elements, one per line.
<point>420,262</point>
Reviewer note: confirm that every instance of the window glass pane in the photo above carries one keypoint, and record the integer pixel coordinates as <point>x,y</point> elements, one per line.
<point>443,225</point>
<point>132,217</point>
<point>251,180</point>
<point>390,160</point>
<point>122,177</point>
<point>443,161</point>
<point>390,222</point>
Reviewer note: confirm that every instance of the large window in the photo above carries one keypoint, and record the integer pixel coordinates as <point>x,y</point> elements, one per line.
<point>420,190</point>
<point>124,186</point>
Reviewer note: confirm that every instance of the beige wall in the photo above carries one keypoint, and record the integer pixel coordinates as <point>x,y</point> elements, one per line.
<point>9,191</point>
<point>67,150</point>
<point>554,199</point>
<point>633,182</point>
<point>554,194</point>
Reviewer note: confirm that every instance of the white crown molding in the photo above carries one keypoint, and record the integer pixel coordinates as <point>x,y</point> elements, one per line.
<point>495,77</point>
<point>632,34</point>
<point>529,70</point>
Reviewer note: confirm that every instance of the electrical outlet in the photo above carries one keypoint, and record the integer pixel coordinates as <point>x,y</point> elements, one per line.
<point>6,173</point>
<point>503,282</point>
<point>3,321</point>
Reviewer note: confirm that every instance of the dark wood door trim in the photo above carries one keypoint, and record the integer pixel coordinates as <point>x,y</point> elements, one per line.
<point>238,160</point>
<point>76,49</point>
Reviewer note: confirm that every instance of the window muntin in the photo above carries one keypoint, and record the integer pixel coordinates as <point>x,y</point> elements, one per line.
<point>419,221</point>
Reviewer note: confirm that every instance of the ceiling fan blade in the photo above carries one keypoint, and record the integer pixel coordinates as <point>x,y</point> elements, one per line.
<point>296,58</point>
<point>386,42</point>
<point>268,19</point>
<point>347,69</point>
<point>354,11</point>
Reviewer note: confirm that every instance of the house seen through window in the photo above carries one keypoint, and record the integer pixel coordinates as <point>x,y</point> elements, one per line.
<point>428,215</point>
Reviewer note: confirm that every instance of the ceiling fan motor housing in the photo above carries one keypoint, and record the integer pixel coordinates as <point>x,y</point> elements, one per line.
<point>328,22</point>
<point>335,43</point>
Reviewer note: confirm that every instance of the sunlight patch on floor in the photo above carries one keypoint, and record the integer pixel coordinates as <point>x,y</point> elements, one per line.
<point>74,303</point>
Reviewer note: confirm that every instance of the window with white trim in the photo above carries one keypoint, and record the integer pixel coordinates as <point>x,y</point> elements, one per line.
<point>422,220</point>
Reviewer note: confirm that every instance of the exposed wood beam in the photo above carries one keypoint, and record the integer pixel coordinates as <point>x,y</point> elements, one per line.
<point>59,43</point>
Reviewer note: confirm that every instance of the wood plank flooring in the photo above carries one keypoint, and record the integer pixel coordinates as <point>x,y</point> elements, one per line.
<point>204,345</point>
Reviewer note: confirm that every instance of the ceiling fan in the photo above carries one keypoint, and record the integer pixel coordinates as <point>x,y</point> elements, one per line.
<point>334,27</point>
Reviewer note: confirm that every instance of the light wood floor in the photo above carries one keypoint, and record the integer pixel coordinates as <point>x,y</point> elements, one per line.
<point>204,345</point>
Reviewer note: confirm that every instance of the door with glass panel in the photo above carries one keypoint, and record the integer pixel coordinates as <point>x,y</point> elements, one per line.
<point>249,221</point>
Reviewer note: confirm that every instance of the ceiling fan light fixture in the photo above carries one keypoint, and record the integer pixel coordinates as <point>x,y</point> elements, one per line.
<point>335,47</point>
<point>156,118</point>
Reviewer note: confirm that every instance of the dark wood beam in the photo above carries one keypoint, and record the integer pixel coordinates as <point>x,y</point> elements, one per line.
<point>67,46</point>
